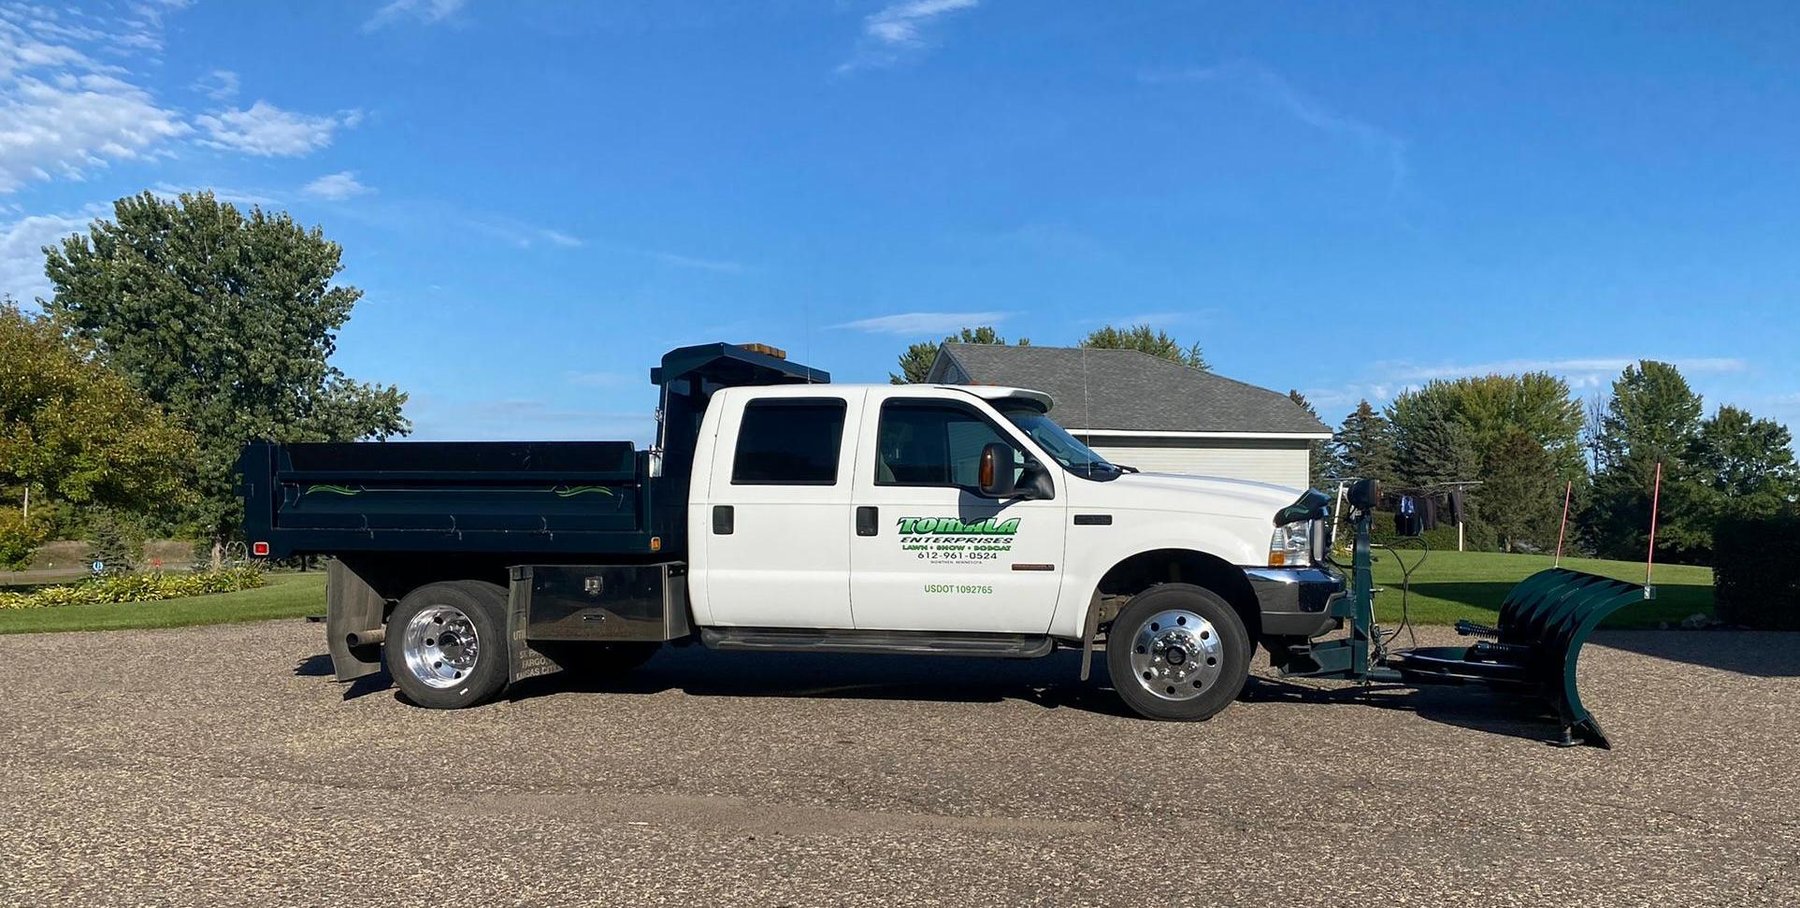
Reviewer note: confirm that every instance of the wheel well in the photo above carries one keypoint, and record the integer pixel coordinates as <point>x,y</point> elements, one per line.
<point>1147,569</point>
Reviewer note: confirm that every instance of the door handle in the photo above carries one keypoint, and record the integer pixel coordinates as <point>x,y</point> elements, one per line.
<point>724,520</point>
<point>868,521</point>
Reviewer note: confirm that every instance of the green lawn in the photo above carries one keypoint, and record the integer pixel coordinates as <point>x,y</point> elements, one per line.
<point>286,596</point>
<point>1453,585</point>
<point>1450,585</point>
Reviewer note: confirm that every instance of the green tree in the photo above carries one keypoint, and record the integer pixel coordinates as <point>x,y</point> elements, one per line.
<point>1492,407</point>
<point>1317,458</point>
<point>1522,493</point>
<point>1652,417</point>
<point>1742,466</point>
<point>1145,339</point>
<point>227,320</point>
<point>915,363</point>
<point>1363,446</point>
<point>74,432</point>
<point>1432,443</point>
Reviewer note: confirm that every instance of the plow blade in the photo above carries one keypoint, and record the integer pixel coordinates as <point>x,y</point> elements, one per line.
<point>1543,623</point>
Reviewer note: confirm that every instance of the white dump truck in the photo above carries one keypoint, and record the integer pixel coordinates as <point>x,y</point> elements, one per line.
<point>780,512</point>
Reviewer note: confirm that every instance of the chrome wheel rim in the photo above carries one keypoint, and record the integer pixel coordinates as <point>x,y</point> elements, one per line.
<point>441,646</point>
<point>1177,655</point>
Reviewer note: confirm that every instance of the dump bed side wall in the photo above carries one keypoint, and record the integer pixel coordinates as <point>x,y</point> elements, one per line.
<point>519,499</point>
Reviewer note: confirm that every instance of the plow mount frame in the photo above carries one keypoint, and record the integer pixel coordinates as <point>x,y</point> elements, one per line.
<point>1532,654</point>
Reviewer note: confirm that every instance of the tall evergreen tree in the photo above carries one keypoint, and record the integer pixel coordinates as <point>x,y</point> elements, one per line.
<point>1521,494</point>
<point>1316,458</point>
<point>1652,417</point>
<point>1432,444</point>
<point>1363,447</point>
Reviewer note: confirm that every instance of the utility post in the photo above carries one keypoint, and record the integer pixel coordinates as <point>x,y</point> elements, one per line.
<point>1458,487</point>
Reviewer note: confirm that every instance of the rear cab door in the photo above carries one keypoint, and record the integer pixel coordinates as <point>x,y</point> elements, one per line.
<point>930,553</point>
<point>772,532</point>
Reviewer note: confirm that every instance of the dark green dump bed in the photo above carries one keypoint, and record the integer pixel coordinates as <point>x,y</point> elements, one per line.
<point>520,502</point>
<point>488,497</point>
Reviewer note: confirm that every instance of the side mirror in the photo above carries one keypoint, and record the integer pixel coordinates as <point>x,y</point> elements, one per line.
<point>1364,494</point>
<point>997,471</point>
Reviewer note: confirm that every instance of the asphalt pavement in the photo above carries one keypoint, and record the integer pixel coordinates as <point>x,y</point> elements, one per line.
<point>221,766</point>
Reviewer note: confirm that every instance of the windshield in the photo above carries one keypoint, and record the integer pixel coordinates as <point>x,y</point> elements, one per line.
<point>1075,457</point>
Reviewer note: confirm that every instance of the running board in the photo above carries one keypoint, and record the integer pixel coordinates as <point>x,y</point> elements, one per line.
<point>915,643</point>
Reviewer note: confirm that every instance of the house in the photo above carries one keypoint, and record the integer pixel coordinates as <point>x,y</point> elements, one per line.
<point>1143,411</point>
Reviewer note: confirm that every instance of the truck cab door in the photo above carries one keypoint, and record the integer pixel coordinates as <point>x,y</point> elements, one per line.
<point>930,552</point>
<point>774,529</point>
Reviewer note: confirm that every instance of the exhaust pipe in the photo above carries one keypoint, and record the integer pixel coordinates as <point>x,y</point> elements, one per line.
<point>371,637</point>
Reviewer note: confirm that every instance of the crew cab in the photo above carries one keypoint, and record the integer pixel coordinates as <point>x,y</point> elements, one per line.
<point>781,512</point>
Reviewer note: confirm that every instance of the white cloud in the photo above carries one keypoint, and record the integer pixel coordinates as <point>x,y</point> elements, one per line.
<point>429,12</point>
<point>916,323</point>
<point>336,187</point>
<point>22,255</point>
<point>69,123</point>
<point>897,28</point>
<point>269,131</point>
<point>1270,87</point>
<point>219,85</point>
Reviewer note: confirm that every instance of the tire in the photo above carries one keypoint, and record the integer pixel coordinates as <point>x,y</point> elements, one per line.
<point>1178,652</point>
<point>597,661</point>
<point>428,644</point>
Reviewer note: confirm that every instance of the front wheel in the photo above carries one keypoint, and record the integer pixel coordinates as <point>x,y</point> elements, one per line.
<point>446,644</point>
<point>1178,652</point>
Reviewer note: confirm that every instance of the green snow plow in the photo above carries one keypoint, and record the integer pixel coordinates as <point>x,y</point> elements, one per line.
<point>1531,652</point>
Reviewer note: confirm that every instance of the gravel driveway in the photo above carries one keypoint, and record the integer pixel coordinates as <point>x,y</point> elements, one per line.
<point>218,765</point>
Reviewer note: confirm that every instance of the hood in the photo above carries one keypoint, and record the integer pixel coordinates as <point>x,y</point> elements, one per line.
<point>1236,498</point>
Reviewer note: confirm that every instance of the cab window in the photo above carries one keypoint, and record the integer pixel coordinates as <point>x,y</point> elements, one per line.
<point>789,442</point>
<point>931,444</point>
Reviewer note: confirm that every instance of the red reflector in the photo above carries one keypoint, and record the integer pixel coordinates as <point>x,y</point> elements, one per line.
<point>259,549</point>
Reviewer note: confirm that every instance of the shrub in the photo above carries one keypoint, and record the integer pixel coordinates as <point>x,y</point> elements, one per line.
<point>1756,576</point>
<point>117,541</point>
<point>116,588</point>
<point>19,539</point>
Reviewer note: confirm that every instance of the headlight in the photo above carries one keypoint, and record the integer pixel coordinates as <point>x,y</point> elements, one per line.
<point>1292,544</point>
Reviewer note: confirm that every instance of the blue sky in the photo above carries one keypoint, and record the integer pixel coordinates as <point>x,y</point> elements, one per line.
<point>538,198</point>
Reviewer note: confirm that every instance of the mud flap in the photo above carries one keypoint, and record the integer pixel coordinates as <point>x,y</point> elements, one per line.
<point>1543,624</point>
<point>351,607</point>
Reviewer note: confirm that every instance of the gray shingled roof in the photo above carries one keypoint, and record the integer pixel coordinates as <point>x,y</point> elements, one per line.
<point>1126,390</point>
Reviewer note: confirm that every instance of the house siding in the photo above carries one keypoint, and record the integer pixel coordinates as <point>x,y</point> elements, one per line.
<point>1277,461</point>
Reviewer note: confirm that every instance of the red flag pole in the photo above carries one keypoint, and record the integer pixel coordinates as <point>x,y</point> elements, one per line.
<point>1655,502</point>
<point>1562,530</point>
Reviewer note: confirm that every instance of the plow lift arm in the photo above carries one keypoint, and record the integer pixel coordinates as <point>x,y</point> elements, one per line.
<point>1543,623</point>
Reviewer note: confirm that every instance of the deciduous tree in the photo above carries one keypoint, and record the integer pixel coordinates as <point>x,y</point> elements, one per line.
<point>915,363</point>
<point>1145,339</point>
<point>73,430</point>
<point>228,320</point>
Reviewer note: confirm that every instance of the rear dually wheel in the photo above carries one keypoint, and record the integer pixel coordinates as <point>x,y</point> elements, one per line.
<point>446,644</point>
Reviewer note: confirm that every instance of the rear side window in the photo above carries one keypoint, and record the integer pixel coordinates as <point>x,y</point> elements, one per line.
<point>789,442</point>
